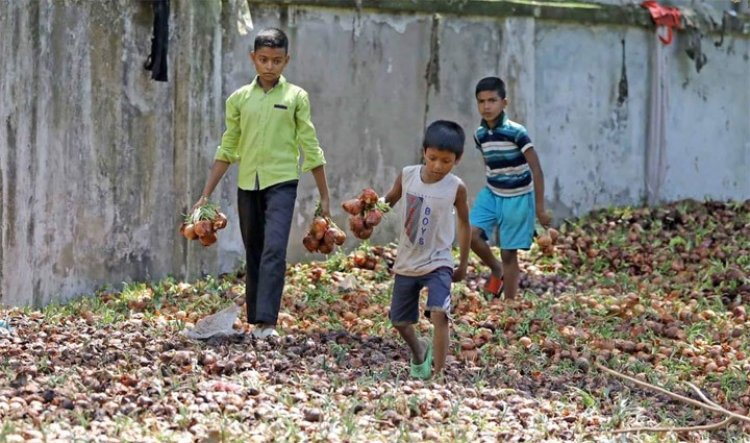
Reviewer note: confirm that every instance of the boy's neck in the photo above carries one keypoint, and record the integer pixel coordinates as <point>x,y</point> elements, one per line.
<point>493,123</point>
<point>267,86</point>
<point>424,178</point>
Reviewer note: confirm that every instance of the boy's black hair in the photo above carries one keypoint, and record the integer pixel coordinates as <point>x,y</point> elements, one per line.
<point>271,38</point>
<point>445,135</point>
<point>491,84</point>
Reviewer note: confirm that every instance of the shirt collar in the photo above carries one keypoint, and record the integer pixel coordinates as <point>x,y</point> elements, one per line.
<point>256,83</point>
<point>500,121</point>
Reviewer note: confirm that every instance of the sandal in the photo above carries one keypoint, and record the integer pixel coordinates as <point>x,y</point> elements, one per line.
<point>423,371</point>
<point>494,285</point>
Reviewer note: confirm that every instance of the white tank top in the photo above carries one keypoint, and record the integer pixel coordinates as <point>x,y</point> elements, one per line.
<point>428,223</point>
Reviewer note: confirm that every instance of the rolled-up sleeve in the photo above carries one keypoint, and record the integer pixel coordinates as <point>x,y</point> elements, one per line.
<point>228,151</point>
<point>306,136</point>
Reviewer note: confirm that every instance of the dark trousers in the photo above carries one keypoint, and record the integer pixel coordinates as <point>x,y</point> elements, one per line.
<point>265,221</point>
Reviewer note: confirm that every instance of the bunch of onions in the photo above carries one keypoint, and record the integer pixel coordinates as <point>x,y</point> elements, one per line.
<point>547,241</point>
<point>203,224</point>
<point>366,212</point>
<point>323,235</point>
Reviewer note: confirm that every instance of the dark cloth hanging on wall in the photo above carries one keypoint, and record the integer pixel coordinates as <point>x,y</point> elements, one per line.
<point>157,60</point>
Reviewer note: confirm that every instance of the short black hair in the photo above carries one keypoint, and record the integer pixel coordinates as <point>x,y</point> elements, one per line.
<point>271,38</point>
<point>445,135</point>
<point>491,84</point>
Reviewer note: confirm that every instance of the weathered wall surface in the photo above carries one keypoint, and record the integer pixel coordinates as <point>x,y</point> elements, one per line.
<point>97,161</point>
<point>582,91</point>
<point>708,131</point>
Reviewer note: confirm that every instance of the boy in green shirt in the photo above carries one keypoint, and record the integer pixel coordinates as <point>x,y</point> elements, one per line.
<point>267,122</point>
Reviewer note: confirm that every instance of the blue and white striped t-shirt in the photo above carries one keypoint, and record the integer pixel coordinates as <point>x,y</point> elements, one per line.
<point>508,173</point>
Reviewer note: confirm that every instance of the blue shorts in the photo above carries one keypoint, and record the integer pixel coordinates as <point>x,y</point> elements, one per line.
<point>405,300</point>
<point>515,216</point>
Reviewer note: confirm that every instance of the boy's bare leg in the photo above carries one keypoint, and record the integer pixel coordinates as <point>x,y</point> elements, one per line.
<point>409,334</point>
<point>483,251</point>
<point>440,340</point>
<point>511,276</point>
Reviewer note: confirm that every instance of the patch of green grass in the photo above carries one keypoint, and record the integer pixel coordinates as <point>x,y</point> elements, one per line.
<point>337,261</point>
<point>606,328</point>
<point>565,367</point>
<point>733,383</point>
<point>588,400</point>
<point>697,330</point>
<point>349,423</point>
<point>320,296</point>
<point>674,368</point>
<point>340,352</point>
<point>6,430</point>
<point>56,313</point>
<point>381,322</point>
<point>6,369</point>
<point>523,328</point>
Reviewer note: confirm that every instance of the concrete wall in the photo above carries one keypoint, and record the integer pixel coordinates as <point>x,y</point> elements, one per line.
<point>368,75</point>
<point>97,161</point>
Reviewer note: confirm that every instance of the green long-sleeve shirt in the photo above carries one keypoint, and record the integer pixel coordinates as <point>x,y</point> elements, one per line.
<point>265,131</point>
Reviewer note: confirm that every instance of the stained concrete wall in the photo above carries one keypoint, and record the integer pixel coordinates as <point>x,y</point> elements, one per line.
<point>97,161</point>
<point>376,79</point>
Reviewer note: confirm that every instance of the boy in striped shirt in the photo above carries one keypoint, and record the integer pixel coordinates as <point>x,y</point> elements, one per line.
<point>514,192</point>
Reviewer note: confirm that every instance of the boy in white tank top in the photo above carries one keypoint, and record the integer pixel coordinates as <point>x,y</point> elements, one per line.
<point>434,199</point>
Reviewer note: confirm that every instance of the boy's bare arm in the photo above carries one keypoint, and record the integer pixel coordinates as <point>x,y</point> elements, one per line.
<point>217,172</point>
<point>464,232</point>
<point>394,195</point>
<point>538,176</point>
<point>319,173</point>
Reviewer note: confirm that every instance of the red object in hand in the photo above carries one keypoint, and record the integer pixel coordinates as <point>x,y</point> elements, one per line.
<point>664,16</point>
